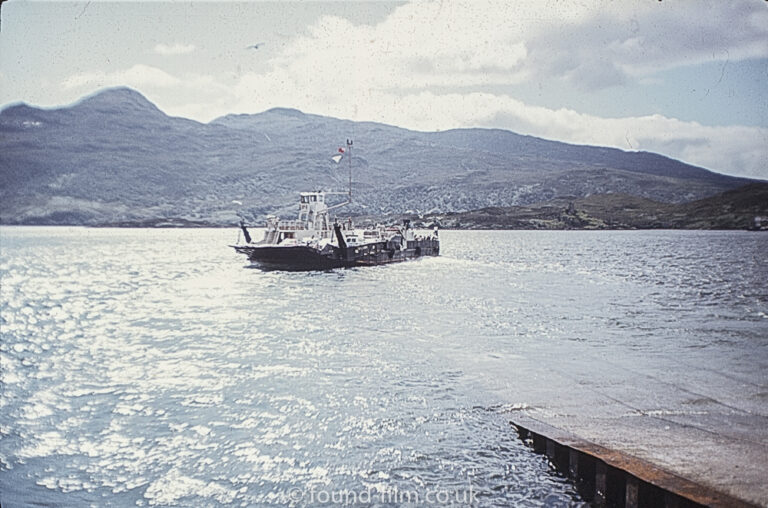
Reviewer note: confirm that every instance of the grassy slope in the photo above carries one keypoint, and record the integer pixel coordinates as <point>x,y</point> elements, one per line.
<point>733,209</point>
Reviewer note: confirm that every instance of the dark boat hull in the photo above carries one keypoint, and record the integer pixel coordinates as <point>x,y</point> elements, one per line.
<point>288,258</point>
<point>307,258</point>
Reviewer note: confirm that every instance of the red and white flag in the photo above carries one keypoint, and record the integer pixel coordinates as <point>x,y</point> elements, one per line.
<point>341,150</point>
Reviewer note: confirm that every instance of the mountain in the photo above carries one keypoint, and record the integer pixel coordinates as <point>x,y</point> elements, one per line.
<point>734,209</point>
<point>115,158</point>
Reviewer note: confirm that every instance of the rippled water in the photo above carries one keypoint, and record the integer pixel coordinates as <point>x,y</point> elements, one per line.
<point>152,368</point>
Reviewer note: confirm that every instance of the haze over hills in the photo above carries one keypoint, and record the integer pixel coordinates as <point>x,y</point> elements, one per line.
<point>115,158</point>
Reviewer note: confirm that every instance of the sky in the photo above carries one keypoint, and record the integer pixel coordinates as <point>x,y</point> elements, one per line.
<point>683,78</point>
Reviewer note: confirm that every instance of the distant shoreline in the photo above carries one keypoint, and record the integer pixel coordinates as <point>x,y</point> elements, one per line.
<point>740,209</point>
<point>418,227</point>
<point>733,210</point>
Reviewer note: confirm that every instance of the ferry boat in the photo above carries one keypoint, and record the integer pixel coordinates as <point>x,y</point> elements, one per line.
<point>316,241</point>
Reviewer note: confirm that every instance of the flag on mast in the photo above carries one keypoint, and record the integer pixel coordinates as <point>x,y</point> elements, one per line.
<point>336,158</point>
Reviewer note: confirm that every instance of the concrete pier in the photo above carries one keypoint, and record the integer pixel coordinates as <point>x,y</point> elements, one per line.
<point>612,478</point>
<point>646,430</point>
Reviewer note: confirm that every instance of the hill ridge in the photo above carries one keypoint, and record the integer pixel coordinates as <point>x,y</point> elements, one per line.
<point>115,157</point>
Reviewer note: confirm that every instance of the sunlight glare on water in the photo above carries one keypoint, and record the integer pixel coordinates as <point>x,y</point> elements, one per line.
<point>154,368</point>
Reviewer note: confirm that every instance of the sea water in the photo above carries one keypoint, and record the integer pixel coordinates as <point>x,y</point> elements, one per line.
<point>156,368</point>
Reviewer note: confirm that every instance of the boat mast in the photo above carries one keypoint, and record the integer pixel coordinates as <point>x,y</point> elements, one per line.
<point>349,152</point>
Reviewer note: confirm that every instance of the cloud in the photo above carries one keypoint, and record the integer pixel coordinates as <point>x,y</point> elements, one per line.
<point>174,49</point>
<point>138,76</point>
<point>587,45</point>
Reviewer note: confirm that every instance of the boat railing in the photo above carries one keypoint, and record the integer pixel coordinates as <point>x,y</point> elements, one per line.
<point>291,225</point>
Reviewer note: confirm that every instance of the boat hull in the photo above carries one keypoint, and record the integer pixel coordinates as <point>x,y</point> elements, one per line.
<point>288,258</point>
<point>301,258</point>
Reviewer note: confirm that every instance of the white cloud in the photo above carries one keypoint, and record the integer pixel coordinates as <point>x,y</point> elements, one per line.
<point>174,49</point>
<point>138,76</point>
<point>588,45</point>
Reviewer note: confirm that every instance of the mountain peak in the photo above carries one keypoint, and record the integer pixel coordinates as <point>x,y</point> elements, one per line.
<point>120,99</point>
<point>295,113</point>
<point>283,116</point>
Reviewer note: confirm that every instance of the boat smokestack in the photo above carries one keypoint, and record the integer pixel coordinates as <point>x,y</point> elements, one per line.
<point>245,231</point>
<point>340,239</point>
